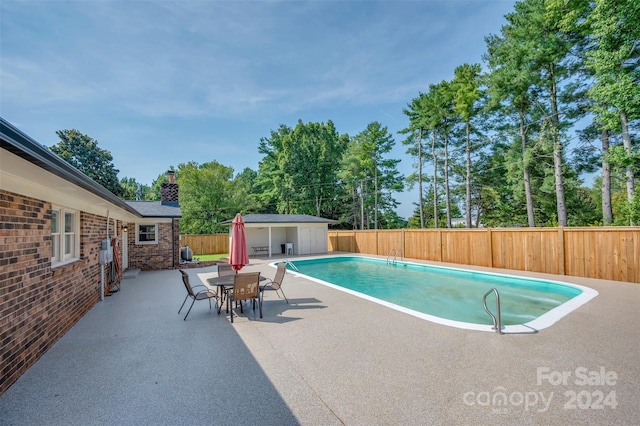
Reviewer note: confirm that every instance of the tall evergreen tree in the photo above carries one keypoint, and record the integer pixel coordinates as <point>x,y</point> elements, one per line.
<point>614,59</point>
<point>466,88</point>
<point>414,141</point>
<point>509,82</point>
<point>378,174</point>
<point>545,54</point>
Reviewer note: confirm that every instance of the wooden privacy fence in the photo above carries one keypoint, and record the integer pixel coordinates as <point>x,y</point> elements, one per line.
<point>206,244</point>
<point>611,253</point>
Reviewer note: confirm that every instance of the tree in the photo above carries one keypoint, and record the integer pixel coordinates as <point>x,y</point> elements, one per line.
<point>132,190</point>
<point>509,82</point>
<point>352,175</point>
<point>614,58</point>
<point>207,197</point>
<point>416,132</point>
<point>466,93</point>
<point>431,216</point>
<point>83,153</point>
<point>443,119</point>
<point>432,112</point>
<point>244,196</point>
<point>536,26</point>
<point>298,172</point>
<point>378,176</point>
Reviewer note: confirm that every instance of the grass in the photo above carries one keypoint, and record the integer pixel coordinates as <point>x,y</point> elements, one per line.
<point>209,257</point>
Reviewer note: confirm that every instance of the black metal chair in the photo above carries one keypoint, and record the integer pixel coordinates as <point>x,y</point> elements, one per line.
<point>206,293</point>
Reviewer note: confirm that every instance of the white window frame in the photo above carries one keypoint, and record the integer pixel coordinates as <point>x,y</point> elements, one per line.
<point>65,243</point>
<point>146,242</point>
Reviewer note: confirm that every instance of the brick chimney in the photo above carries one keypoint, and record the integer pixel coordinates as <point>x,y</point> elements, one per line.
<point>169,191</point>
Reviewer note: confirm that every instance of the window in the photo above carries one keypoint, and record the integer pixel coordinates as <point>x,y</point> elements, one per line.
<point>65,244</point>
<point>147,234</point>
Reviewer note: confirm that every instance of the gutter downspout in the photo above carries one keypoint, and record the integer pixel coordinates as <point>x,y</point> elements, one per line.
<point>102,266</point>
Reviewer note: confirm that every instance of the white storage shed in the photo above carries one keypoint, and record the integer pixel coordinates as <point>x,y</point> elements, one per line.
<point>275,234</point>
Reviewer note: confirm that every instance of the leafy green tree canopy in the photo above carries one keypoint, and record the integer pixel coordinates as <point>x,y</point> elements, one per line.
<point>206,197</point>
<point>298,173</point>
<point>83,153</point>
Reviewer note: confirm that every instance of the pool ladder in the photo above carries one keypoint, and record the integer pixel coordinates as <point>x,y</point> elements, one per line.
<point>288,262</point>
<point>394,253</point>
<point>497,322</point>
<point>497,319</point>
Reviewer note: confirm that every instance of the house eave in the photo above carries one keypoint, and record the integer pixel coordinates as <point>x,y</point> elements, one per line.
<point>23,146</point>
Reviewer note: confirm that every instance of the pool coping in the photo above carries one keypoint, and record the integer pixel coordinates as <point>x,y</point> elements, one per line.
<point>540,323</point>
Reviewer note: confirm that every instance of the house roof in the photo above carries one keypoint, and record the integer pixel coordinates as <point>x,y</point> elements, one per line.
<point>18,143</point>
<point>155,208</point>
<point>23,146</point>
<point>281,218</point>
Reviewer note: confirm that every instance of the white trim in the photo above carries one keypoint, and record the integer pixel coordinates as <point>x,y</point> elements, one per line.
<point>59,256</point>
<point>25,178</point>
<point>138,225</point>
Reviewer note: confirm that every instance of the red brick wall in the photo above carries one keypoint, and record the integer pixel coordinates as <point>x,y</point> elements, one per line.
<point>38,305</point>
<point>164,255</point>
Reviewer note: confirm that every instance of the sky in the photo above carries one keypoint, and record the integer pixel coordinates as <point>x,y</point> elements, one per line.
<point>160,83</point>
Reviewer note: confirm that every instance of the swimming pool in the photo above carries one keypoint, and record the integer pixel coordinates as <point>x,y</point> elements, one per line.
<point>447,295</point>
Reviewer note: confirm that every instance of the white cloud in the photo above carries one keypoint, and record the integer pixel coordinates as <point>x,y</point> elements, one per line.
<point>223,73</point>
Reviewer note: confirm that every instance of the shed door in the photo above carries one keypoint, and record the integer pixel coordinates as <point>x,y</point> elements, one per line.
<point>304,241</point>
<point>312,240</point>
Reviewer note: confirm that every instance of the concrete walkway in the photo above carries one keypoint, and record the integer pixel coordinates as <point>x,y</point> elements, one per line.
<point>327,358</point>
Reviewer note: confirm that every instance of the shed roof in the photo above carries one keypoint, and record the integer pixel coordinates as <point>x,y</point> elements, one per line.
<point>281,218</point>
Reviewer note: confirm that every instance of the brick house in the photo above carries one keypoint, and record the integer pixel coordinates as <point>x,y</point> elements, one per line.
<point>54,221</point>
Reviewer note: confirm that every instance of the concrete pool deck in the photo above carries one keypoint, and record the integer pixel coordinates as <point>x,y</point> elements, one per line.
<point>328,358</point>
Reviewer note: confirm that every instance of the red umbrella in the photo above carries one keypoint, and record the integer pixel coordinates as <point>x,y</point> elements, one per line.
<point>238,255</point>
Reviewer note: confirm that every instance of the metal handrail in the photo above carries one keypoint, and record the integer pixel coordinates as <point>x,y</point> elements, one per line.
<point>392,251</point>
<point>497,322</point>
<point>396,255</point>
<point>288,262</point>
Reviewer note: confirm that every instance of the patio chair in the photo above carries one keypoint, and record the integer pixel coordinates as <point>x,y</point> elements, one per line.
<point>276,283</point>
<point>246,286</point>
<point>206,293</point>
<point>225,269</point>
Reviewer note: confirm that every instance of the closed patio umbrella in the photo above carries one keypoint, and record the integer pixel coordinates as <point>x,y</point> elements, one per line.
<point>238,255</point>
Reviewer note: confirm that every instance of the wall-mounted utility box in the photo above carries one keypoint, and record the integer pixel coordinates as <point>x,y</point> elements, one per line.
<point>106,252</point>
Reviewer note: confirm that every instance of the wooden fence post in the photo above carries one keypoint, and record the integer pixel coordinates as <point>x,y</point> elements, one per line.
<point>490,247</point>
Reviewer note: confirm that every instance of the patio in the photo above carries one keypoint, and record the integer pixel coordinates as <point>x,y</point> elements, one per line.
<point>326,358</point>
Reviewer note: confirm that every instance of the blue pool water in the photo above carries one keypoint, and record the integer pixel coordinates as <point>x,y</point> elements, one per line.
<point>447,293</point>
